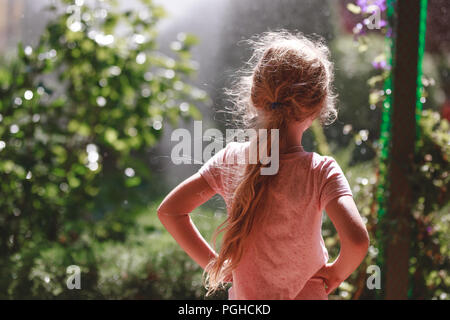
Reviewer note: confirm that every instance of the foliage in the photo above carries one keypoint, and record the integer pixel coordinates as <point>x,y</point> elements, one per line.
<point>429,178</point>
<point>148,264</point>
<point>78,113</point>
<point>358,123</point>
<point>430,261</point>
<point>60,143</point>
<point>430,250</point>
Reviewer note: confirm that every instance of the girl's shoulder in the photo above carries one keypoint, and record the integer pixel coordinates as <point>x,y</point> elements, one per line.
<point>226,156</point>
<point>321,163</point>
<point>234,148</point>
<point>237,146</point>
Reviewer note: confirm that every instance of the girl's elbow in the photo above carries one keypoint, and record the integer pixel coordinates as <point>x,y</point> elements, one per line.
<point>163,217</point>
<point>358,239</point>
<point>362,240</point>
<point>160,212</point>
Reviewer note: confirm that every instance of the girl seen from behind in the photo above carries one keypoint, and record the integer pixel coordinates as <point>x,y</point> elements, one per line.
<point>272,247</point>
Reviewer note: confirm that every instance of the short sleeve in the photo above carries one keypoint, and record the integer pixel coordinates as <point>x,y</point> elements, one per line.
<point>333,182</point>
<point>211,171</point>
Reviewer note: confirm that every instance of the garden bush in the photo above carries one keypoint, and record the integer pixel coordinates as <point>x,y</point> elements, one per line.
<point>79,113</point>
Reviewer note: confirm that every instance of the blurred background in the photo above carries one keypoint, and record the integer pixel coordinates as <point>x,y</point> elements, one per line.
<point>90,92</point>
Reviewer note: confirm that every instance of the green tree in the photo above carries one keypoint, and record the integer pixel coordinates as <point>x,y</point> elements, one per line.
<point>77,113</point>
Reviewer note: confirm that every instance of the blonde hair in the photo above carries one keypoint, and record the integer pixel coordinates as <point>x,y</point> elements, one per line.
<point>288,78</point>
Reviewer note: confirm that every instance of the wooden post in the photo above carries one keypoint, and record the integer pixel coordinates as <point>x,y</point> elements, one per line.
<point>399,215</point>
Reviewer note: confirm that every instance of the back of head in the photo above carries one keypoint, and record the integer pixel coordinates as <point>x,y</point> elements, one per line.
<point>288,71</point>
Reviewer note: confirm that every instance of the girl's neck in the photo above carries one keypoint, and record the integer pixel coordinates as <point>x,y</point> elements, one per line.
<point>291,137</point>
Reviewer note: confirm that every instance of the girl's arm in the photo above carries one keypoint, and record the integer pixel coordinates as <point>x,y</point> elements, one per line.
<point>174,215</point>
<point>354,240</point>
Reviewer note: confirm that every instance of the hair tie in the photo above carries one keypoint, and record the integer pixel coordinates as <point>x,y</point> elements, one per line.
<point>276,105</point>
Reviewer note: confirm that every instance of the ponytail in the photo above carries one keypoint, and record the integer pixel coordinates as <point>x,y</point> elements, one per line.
<point>242,218</point>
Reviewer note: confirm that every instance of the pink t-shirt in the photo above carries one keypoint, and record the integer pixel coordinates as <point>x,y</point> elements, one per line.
<point>288,249</point>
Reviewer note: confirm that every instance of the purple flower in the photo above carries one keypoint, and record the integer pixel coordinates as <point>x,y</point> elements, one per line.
<point>358,29</point>
<point>379,64</point>
<point>365,4</point>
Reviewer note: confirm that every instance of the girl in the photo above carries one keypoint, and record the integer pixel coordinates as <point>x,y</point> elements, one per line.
<point>272,246</point>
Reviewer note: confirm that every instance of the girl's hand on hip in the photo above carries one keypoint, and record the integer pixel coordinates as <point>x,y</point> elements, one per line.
<point>329,275</point>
